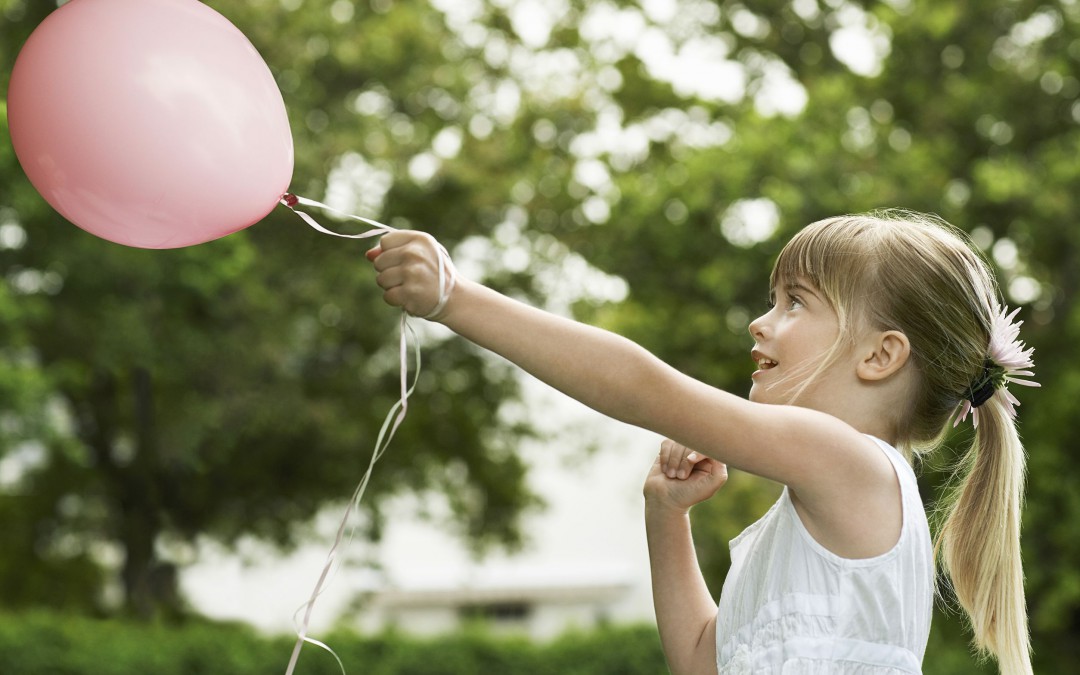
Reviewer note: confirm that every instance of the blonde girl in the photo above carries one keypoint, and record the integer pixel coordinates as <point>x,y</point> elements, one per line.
<point>884,328</point>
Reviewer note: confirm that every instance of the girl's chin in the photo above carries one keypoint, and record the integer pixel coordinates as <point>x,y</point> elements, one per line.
<point>761,393</point>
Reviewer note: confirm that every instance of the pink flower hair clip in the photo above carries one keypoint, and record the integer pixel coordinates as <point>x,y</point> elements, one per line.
<point>1009,361</point>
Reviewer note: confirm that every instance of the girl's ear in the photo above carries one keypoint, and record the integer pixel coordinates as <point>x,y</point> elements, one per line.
<point>886,354</point>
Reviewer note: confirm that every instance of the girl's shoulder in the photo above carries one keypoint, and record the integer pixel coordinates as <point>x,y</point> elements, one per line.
<point>860,514</point>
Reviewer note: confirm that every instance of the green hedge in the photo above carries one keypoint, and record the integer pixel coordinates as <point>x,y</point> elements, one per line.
<point>39,643</point>
<point>43,643</point>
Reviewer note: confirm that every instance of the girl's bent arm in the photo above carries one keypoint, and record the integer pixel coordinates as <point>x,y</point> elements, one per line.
<point>685,612</point>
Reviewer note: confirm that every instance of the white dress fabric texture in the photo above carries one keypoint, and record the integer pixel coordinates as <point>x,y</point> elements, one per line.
<point>792,607</point>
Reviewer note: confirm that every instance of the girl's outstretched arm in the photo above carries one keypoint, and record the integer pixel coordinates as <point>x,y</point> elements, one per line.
<point>619,378</point>
<point>601,369</point>
<point>685,611</point>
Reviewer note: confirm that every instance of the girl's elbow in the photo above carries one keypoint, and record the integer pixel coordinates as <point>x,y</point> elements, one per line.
<point>694,667</point>
<point>697,657</point>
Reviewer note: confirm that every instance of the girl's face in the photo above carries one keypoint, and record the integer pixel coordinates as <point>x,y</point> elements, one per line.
<point>790,341</point>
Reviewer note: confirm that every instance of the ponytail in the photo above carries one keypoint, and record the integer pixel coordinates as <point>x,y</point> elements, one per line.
<point>979,541</point>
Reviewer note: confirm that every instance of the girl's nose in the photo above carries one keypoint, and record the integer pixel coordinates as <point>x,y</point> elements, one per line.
<point>757,327</point>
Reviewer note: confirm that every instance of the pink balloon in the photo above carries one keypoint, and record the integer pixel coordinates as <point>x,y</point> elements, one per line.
<point>150,123</point>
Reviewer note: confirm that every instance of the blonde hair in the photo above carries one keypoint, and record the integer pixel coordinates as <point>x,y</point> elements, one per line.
<point>914,273</point>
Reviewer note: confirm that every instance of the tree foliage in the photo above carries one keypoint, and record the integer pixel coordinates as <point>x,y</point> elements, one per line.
<point>233,388</point>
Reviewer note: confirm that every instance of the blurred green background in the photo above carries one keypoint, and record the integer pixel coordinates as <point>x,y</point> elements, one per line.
<point>151,397</point>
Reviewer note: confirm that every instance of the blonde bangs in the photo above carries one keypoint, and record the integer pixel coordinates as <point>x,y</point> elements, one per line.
<point>836,256</point>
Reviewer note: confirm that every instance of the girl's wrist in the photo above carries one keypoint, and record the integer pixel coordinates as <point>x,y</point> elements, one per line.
<point>659,509</point>
<point>457,295</point>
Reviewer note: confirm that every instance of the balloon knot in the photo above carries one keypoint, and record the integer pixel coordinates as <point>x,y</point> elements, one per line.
<point>290,200</point>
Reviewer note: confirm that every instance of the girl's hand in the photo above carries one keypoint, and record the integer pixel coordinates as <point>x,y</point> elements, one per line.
<point>681,477</point>
<point>408,267</point>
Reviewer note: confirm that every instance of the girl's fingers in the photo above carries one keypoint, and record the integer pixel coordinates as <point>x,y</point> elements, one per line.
<point>686,466</point>
<point>388,258</point>
<point>390,278</point>
<point>395,248</point>
<point>677,460</point>
<point>720,474</point>
<point>397,239</point>
<point>395,297</point>
<point>671,457</point>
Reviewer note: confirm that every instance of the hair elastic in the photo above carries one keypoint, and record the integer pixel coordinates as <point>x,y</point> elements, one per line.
<point>983,388</point>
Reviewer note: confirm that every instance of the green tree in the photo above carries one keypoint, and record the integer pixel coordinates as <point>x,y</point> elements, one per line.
<point>234,388</point>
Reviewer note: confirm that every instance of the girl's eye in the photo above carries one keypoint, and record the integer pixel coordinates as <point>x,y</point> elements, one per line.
<point>789,302</point>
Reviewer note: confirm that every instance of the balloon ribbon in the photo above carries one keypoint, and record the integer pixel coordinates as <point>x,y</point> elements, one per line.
<point>394,418</point>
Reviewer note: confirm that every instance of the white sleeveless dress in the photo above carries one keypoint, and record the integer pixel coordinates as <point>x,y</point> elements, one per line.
<point>791,607</point>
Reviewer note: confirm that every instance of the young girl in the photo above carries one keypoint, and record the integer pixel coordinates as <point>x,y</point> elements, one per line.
<point>884,327</point>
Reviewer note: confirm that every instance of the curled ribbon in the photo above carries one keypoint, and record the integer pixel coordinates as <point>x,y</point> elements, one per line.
<point>394,418</point>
